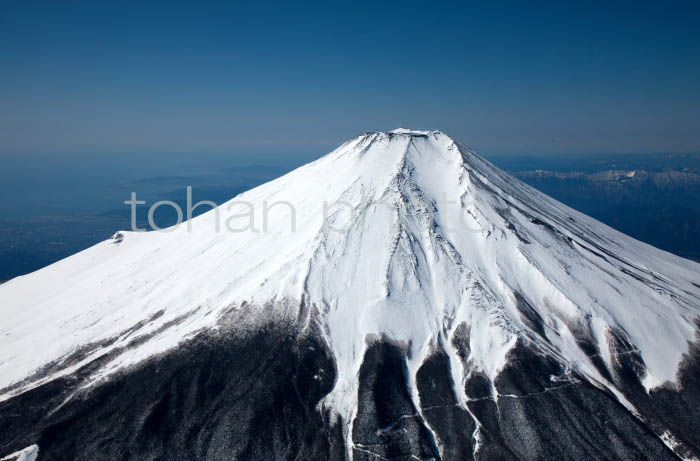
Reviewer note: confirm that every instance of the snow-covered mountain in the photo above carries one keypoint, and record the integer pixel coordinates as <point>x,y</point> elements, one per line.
<point>399,298</point>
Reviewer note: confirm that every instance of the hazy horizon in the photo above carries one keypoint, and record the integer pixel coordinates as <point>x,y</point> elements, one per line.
<point>504,78</point>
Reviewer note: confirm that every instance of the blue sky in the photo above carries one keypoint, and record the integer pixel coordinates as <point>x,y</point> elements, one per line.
<point>520,78</point>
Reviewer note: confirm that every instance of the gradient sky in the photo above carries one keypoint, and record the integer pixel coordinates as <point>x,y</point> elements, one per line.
<point>531,77</point>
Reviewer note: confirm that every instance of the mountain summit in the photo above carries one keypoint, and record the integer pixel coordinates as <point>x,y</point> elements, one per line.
<point>399,298</point>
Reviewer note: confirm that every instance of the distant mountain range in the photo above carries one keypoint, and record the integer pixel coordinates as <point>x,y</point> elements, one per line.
<point>660,207</point>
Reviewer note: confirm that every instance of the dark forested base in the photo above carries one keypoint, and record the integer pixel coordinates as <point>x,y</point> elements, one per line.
<point>257,397</point>
<point>665,408</point>
<point>546,412</point>
<point>388,424</point>
<point>215,398</point>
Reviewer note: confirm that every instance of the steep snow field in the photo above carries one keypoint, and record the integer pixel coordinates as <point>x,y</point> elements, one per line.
<point>28,454</point>
<point>420,235</point>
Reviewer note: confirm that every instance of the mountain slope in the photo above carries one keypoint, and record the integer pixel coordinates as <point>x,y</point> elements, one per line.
<point>400,297</point>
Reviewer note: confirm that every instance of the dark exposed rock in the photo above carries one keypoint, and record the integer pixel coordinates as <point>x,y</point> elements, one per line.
<point>478,385</point>
<point>543,413</point>
<point>213,398</point>
<point>666,408</point>
<point>452,425</point>
<point>256,397</point>
<point>388,425</point>
<point>530,316</point>
<point>460,341</point>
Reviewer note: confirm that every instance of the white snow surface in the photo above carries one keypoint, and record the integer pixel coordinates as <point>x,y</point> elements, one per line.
<point>422,234</point>
<point>28,454</point>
